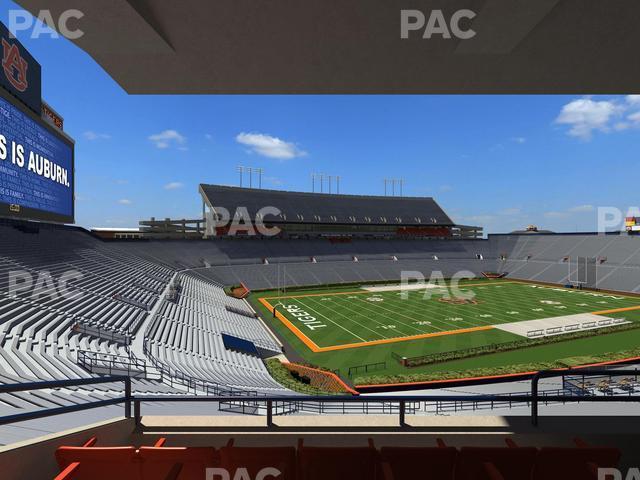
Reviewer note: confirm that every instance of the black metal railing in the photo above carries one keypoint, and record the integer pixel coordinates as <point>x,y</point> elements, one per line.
<point>110,364</point>
<point>174,377</point>
<point>126,398</point>
<point>98,330</point>
<point>271,406</point>
<point>366,368</point>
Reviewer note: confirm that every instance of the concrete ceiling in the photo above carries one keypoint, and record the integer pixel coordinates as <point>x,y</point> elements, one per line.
<point>354,46</point>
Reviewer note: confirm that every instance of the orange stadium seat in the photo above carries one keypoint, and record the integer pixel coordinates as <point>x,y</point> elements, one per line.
<point>556,463</point>
<point>479,463</point>
<point>429,463</point>
<point>254,459</point>
<point>175,463</point>
<point>337,463</point>
<point>97,463</point>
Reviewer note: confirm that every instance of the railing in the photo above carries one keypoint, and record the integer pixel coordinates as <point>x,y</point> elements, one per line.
<point>366,368</point>
<point>109,364</point>
<point>285,404</point>
<point>103,333</point>
<point>48,412</point>
<point>175,377</point>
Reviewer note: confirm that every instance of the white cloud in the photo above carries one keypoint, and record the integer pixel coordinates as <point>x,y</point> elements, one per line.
<point>586,115</point>
<point>167,138</point>
<point>633,99</point>
<point>173,186</point>
<point>125,201</point>
<point>121,182</point>
<point>91,136</point>
<point>634,117</point>
<point>582,209</point>
<point>519,139</point>
<point>268,146</point>
<point>446,188</point>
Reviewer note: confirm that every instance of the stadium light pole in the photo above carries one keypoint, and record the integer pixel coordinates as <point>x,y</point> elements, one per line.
<point>259,171</point>
<point>338,184</point>
<point>240,169</point>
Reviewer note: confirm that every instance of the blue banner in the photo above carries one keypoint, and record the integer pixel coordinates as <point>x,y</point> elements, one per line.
<point>36,166</point>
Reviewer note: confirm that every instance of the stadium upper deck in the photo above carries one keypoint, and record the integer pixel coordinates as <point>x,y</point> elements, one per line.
<point>296,213</point>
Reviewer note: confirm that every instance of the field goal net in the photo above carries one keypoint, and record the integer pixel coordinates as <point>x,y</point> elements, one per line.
<point>583,272</point>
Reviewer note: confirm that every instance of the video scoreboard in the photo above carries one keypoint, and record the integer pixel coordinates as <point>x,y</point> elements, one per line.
<point>36,157</point>
<point>36,166</point>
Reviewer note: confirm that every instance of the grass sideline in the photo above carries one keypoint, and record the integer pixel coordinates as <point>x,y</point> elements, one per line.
<point>495,371</point>
<point>444,357</point>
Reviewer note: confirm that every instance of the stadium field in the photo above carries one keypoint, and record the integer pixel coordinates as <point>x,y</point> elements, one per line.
<point>341,319</point>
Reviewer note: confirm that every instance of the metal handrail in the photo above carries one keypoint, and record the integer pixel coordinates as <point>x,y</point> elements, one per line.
<point>190,382</point>
<point>289,403</point>
<point>47,412</point>
<point>89,359</point>
<point>535,380</point>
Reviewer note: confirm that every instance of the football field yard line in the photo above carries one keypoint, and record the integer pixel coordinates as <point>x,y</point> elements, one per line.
<point>293,328</point>
<point>361,292</point>
<point>317,349</point>
<point>348,319</point>
<point>413,304</point>
<point>416,303</point>
<point>395,314</point>
<point>405,339</point>
<point>358,314</point>
<point>304,305</point>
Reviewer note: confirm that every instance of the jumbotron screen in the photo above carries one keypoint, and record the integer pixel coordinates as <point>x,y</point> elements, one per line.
<point>36,167</point>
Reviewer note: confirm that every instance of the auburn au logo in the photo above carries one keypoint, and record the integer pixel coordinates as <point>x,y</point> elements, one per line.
<point>15,67</point>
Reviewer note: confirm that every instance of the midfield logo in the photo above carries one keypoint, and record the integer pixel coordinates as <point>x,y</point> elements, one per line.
<point>15,67</point>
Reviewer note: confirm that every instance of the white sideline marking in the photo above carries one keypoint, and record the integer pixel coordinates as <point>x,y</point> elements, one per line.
<point>393,288</point>
<point>546,327</point>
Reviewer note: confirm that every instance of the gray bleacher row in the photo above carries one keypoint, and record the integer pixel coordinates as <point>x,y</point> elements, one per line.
<point>542,258</point>
<point>322,273</point>
<point>186,336</point>
<point>181,254</point>
<point>37,340</point>
<point>529,257</point>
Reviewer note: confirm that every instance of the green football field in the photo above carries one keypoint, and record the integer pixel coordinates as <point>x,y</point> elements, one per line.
<point>342,327</point>
<point>342,319</point>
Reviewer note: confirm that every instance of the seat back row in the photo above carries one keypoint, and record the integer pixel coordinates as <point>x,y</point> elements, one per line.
<point>440,462</point>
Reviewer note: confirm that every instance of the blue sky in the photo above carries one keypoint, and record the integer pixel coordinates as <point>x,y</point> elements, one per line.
<point>498,161</point>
